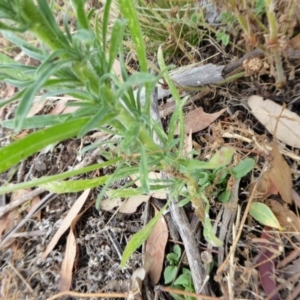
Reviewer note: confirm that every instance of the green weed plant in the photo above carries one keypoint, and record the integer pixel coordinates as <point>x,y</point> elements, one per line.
<point>80,64</point>
<point>184,280</point>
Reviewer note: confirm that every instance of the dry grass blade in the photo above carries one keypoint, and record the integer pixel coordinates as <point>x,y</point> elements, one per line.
<point>66,222</point>
<point>67,264</point>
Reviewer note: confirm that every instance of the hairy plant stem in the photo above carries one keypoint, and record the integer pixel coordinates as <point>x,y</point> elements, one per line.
<point>273,43</point>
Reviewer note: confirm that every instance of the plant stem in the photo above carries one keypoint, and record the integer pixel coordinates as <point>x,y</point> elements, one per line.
<point>273,43</point>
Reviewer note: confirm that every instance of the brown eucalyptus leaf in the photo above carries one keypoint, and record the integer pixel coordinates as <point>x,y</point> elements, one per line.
<point>268,113</point>
<point>131,204</point>
<point>295,42</point>
<point>155,247</point>
<point>281,176</point>
<point>266,264</point>
<point>65,280</point>
<point>197,120</point>
<point>287,218</point>
<point>66,223</point>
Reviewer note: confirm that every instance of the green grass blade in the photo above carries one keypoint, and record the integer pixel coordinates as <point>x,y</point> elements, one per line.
<point>139,238</point>
<point>43,73</point>
<point>73,186</point>
<point>128,9</point>
<point>178,114</point>
<point>19,150</point>
<point>116,41</point>
<point>105,23</point>
<point>49,17</point>
<point>80,13</point>
<point>144,171</point>
<point>38,121</point>
<point>48,179</point>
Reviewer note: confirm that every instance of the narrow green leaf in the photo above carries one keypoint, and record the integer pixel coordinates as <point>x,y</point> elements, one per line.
<point>177,117</point>
<point>48,179</point>
<point>4,26</point>
<point>19,150</point>
<point>221,158</point>
<point>128,9</point>
<point>49,17</point>
<point>32,14</point>
<point>243,168</point>
<point>144,171</point>
<point>140,237</point>
<point>8,67</point>
<point>105,23</point>
<point>73,186</point>
<point>116,41</point>
<point>135,79</point>
<point>44,71</point>
<point>80,13</point>
<point>38,121</point>
<point>130,137</point>
<point>100,117</point>
<point>208,231</point>
<point>263,214</point>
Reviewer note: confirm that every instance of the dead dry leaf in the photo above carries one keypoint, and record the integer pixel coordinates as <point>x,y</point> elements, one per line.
<point>117,69</point>
<point>67,264</point>
<point>131,204</point>
<point>268,112</point>
<point>66,222</point>
<point>197,120</point>
<point>295,42</point>
<point>4,223</point>
<point>33,202</point>
<point>296,198</point>
<point>266,264</point>
<point>36,107</point>
<point>287,218</point>
<point>188,145</point>
<point>155,247</point>
<point>266,186</point>
<point>280,174</point>
<point>110,204</point>
<point>59,107</point>
<point>128,206</point>
<point>9,91</point>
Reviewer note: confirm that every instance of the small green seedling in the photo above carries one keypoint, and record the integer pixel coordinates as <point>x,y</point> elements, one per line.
<point>184,280</point>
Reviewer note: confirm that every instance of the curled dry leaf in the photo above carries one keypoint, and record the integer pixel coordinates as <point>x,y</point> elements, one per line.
<point>280,175</point>
<point>295,42</point>
<point>131,204</point>
<point>266,267</point>
<point>287,219</point>
<point>277,179</point>
<point>128,206</point>
<point>197,120</point>
<point>268,113</point>
<point>110,204</point>
<point>155,247</point>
